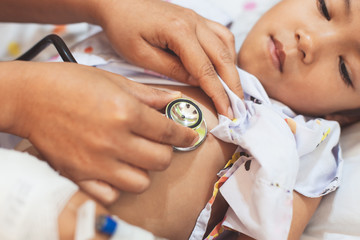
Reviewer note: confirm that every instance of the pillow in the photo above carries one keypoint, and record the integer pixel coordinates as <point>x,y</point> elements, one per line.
<point>338,216</point>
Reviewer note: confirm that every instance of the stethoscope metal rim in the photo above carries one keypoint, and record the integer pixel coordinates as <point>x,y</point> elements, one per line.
<point>197,144</point>
<point>197,126</point>
<point>171,104</point>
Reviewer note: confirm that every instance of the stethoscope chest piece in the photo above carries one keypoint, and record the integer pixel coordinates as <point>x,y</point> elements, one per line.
<point>187,113</point>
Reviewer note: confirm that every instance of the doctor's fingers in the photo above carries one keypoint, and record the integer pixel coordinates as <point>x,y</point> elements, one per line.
<point>202,52</point>
<point>120,175</point>
<point>144,153</point>
<point>152,125</point>
<point>197,58</point>
<point>222,54</point>
<point>179,55</point>
<point>192,65</point>
<point>226,36</point>
<point>156,56</point>
<point>152,97</point>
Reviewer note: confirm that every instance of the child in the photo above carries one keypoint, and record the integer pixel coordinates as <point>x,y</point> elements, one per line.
<point>299,62</point>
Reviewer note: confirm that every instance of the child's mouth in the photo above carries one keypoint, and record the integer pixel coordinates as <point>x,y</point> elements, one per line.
<point>277,53</point>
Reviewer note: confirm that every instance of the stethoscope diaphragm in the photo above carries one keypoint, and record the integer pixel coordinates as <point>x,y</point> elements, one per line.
<point>187,113</point>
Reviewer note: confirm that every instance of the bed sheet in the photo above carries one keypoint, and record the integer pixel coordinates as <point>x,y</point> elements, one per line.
<point>17,38</point>
<point>338,216</point>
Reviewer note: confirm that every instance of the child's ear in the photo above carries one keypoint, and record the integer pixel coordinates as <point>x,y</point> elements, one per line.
<point>343,119</point>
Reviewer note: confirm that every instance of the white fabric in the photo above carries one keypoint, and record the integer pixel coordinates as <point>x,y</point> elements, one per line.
<point>338,216</point>
<point>32,196</point>
<point>85,221</point>
<point>85,226</point>
<point>127,231</point>
<point>17,38</point>
<point>308,160</point>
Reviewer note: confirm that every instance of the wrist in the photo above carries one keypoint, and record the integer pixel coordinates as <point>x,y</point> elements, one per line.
<point>100,10</point>
<point>19,84</point>
<point>86,11</point>
<point>73,11</point>
<point>49,12</point>
<point>103,12</point>
<point>10,96</point>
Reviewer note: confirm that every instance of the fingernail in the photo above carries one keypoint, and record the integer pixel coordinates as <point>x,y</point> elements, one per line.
<point>175,94</point>
<point>172,93</point>
<point>110,194</point>
<point>230,113</point>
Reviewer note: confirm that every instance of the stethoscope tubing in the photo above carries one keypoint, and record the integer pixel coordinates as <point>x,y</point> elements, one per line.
<point>58,43</point>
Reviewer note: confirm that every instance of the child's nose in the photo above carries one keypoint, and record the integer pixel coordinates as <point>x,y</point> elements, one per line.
<point>305,44</point>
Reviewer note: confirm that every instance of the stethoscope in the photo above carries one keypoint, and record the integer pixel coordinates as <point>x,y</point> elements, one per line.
<point>58,43</point>
<point>183,111</point>
<point>187,113</point>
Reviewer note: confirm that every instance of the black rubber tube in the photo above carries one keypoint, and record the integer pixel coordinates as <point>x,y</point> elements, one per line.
<point>54,39</point>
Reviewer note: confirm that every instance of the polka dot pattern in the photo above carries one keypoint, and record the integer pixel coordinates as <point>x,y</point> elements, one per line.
<point>249,6</point>
<point>13,49</point>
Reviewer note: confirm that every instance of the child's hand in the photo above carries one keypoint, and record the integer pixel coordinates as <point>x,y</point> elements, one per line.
<point>176,42</point>
<point>90,124</point>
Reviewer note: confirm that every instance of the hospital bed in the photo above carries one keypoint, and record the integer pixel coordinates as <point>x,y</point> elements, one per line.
<point>338,216</point>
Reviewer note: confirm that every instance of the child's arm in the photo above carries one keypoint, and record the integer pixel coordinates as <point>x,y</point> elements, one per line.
<point>303,209</point>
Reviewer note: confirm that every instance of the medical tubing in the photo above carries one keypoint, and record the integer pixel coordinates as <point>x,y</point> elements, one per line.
<point>105,224</point>
<point>54,39</point>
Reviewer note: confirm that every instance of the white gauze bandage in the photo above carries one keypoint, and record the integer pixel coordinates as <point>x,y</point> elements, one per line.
<point>85,226</point>
<point>32,195</point>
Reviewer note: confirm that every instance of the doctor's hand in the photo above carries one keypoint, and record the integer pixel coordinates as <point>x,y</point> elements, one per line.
<point>176,42</point>
<point>90,124</point>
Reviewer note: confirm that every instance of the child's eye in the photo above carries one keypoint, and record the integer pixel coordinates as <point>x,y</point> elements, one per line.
<point>321,4</point>
<point>344,73</point>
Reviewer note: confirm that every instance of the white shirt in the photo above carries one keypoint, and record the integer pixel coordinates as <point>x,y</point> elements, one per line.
<point>286,152</point>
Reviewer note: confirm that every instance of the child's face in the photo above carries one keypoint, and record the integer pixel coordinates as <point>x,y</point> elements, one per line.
<point>306,53</point>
